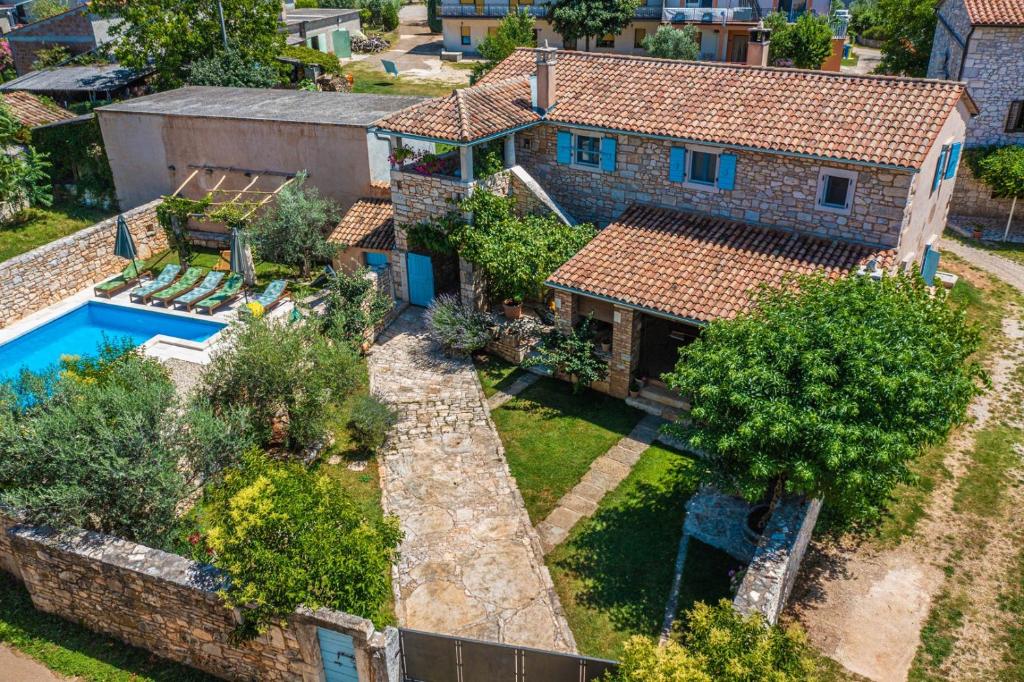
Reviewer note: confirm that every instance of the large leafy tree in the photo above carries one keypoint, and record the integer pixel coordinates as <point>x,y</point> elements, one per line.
<point>172,34</point>
<point>828,389</point>
<point>673,43</point>
<point>231,68</point>
<point>909,27</point>
<point>1002,169</point>
<point>805,43</point>
<point>514,30</point>
<point>586,19</point>
<point>24,177</point>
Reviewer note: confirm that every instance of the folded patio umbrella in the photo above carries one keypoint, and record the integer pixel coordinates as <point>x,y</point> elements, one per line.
<point>124,246</point>
<point>241,259</point>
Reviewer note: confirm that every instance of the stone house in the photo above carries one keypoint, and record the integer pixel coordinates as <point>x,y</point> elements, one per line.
<point>77,30</point>
<point>981,42</point>
<point>708,179</point>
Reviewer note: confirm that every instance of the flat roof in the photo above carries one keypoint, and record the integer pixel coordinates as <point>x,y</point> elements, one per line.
<point>260,104</point>
<point>94,78</point>
<point>294,17</point>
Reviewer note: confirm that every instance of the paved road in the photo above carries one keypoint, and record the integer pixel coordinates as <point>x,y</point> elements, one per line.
<point>471,564</point>
<point>869,59</point>
<point>1005,269</point>
<point>15,666</point>
<point>418,51</point>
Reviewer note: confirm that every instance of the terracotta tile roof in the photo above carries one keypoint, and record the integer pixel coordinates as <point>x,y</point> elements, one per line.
<point>32,111</point>
<point>700,267</point>
<point>468,114</point>
<point>369,224</point>
<point>996,12</point>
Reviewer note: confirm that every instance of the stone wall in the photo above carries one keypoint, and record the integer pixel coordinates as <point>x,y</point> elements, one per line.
<point>973,199</point>
<point>773,570</point>
<point>168,605</point>
<point>54,271</point>
<point>950,36</point>
<point>770,189</point>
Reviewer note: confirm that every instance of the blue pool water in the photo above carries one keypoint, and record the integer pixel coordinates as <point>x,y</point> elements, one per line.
<point>83,330</point>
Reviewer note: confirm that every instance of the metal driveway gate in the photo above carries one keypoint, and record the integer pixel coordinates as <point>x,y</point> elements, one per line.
<point>429,657</point>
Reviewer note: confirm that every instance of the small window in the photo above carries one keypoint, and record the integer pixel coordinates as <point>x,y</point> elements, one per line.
<point>465,35</point>
<point>607,40</point>
<point>639,35</point>
<point>835,191</point>
<point>836,188</point>
<point>1015,119</point>
<point>588,151</point>
<point>526,142</point>
<point>703,167</point>
<point>492,31</point>
<point>536,37</point>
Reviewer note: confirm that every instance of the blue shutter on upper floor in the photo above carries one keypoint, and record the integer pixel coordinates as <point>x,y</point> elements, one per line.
<point>940,168</point>
<point>954,159</point>
<point>608,154</point>
<point>726,171</point>
<point>564,147</point>
<point>676,164</point>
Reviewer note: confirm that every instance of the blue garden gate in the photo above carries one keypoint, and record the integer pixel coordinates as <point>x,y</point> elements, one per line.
<point>376,260</point>
<point>421,279</point>
<point>339,656</point>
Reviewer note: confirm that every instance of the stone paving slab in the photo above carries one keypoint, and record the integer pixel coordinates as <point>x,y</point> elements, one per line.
<point>471,564</point>
<point>604,475</point>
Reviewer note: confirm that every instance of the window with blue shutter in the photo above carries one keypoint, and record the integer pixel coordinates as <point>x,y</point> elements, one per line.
<point>608,154</point>
<point>727,171</point>
<point>564,146</point>
<point>954,159</point>
<point>676,164</point>
<point>940,168</point>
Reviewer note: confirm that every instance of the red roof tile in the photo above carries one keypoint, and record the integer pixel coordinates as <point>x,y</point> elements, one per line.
<point>700,267</point>
<point>468,114</point>
<point>368,224</point>
<point>32,111</point>
<point>996,12</point>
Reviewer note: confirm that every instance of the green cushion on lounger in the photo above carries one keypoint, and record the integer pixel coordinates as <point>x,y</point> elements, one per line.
<point>166,277</point>
<point>272,292</point>
<point>211,282</point>
<point>187,281</point>
<point>231,287</point>
<point>129,274</point>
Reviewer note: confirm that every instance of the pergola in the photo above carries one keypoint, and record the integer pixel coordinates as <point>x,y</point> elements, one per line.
<point>260,197</point>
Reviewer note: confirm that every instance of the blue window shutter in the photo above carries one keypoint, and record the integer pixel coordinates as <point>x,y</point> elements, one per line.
<point>930,265</point>
<point>676,164</point>
<point>564,147</point>
<point>940,168</point>
<point>954,159</point>
<point>726,171</point>
<point>607,153</point>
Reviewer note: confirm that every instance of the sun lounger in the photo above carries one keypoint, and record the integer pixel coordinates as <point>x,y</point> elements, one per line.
<point>115,285</point>
<point>164,280</point>
<point>273,294</point>
<point>187,282</point>
<point>193,296</point>
<point>231,290</point>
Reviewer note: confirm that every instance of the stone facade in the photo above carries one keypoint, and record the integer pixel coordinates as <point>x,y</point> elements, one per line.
<point>973,199</point>
<point>168,605</point>
<point>54,271</point>
<point>770,189</point>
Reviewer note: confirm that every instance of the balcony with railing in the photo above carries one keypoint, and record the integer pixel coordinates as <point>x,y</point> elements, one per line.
<point>497,9</point>
<point>724,12</point>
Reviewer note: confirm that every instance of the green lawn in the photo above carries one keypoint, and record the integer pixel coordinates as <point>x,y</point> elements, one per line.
<point>495,374</point>
<point>614,572</point>
<point>75,651</point>
<point>208,258</point>
<point>373,79</point>
<point>551,436</point>
<point>38,226</point>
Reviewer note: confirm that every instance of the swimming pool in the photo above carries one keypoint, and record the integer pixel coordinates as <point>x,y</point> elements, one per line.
<point>81,332</point>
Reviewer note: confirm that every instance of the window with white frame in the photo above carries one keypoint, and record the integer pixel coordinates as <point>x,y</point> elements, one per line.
<point>703,167</point>
<point>587,150</point>
<point>836,188</point>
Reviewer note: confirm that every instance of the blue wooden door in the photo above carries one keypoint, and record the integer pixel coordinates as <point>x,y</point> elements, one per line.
<point>421,279</point>
<point>339,656</point>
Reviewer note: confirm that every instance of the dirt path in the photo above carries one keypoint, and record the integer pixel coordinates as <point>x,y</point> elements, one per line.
<point>16,666</point>
<point>864,604</point>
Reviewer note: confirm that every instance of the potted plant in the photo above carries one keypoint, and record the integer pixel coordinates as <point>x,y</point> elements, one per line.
<point>634,388</point>
<point>512,308</point>
<point>977,231</point>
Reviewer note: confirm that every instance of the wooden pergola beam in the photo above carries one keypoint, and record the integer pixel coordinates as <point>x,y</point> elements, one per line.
<point>187,180</point>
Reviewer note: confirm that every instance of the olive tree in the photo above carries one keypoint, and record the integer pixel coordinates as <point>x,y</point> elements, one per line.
<point>828,389</point>
<point>1002,169</point>
<point>293,230</point>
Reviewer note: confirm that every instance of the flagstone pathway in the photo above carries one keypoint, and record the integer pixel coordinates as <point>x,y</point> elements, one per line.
<point>471,564</point>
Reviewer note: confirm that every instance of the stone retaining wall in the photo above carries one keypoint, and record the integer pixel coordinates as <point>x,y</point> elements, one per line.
<point>973,199</point>
<point>168,605</point>
<point>54,271</point>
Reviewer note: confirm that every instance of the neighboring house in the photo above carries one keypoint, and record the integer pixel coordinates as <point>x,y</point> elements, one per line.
<point>34,112</point>
<point>90,83</point>
<point>327,30</point>
<point>250,137</point>
<point>723,25</point>
<point>712,179</point>
<point>367,233</point>
<point>77,30</point>
<point>981,42</point>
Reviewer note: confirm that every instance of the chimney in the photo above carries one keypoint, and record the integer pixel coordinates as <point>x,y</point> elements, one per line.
<point>757,46</point>
<point>546,91</point>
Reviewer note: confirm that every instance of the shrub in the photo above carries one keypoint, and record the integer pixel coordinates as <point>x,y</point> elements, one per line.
<point>287,536</point>
<point>389,16</point>
<point>352,307</point>
<point>306,4</point>
<point>458,329</point>
<point>308,55</point>
<point>231,68</point>
<point>573,354</point>
<point>370,422</point>
<point>289,376</point>
<point>674,43</point>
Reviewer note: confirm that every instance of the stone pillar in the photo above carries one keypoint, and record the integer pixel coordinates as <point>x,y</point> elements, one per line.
<point>466,163</point>
<point>510,150</point>
<point>625,347</point>
<point>398,270</point>
<point>471,286</point>
<point>566,311</point>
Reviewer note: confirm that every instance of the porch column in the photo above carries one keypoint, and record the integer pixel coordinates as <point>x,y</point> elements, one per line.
<point>466,163</point>
<point>565,311</point>
<point>510,150</point>
<point>625,350</point>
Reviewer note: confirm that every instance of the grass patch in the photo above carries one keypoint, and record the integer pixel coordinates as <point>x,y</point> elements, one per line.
<point>210,258</point>
<point>614,572</point>
<point>852,60</point>
<point>980,491</point>
<point>73,650</point>
<point>495,374</point>
<point>1012,603</point>
<point>938,637</point>
<point>372,79</point>
<point>909,500</point>
<point>38,226</point>
<point>552,435</point>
